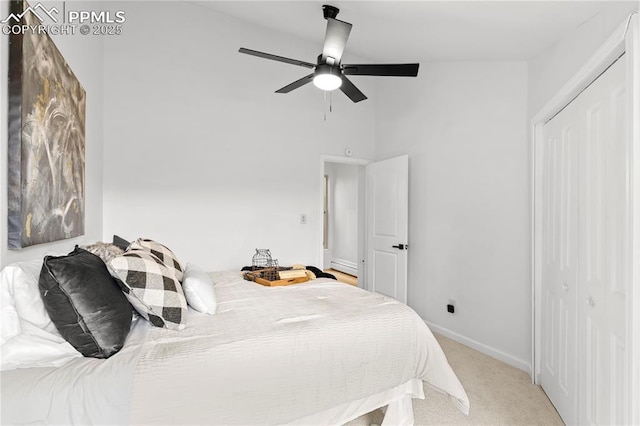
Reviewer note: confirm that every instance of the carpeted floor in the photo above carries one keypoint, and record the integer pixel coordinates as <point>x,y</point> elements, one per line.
<point>499,395</point>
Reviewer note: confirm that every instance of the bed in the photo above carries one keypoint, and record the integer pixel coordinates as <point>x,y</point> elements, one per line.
<point>321,352</point>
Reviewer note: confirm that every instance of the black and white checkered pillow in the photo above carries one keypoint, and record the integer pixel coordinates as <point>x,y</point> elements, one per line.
<point>151,288</point>
<point>161,252</point>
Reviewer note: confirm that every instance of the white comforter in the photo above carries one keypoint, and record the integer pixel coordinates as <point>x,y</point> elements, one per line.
<point>269,356</point>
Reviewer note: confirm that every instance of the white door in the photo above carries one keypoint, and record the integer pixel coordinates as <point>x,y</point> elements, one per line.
<point>604,275</point>
<point>560,239</point>
<point>387,226</point>
<point>586,255</point>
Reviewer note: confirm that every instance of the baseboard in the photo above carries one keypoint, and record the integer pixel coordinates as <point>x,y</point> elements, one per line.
<point>481,347</point>
<point>345,266</point>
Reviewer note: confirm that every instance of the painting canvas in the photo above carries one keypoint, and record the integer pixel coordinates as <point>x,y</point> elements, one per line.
<point>46,149</point>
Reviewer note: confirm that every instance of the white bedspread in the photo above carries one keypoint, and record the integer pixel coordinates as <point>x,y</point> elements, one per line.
<point>84,391</point>
<point>273,355</point>
<point>269,356</point>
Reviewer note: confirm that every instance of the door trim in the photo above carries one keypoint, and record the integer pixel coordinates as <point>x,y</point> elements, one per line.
<point>325,158</point>
<point>624,40</point>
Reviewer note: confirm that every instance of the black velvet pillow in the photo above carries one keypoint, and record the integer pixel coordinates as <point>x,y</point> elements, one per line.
<point>85,303</point>
<point>120,242</point>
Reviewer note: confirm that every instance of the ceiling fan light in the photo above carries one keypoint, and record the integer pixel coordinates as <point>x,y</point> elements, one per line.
<point>327,81</point>
<point>327,77</point>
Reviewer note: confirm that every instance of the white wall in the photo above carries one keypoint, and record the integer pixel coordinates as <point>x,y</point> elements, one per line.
<point>343,213</point>
<point>84,56</point>
<point>463,125</point>
<point>201,154</point>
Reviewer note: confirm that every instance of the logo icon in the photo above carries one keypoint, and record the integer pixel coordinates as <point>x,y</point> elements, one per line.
<point>35,9</point>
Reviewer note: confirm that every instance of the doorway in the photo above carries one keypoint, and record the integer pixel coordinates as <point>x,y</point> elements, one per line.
<point>343,224</point>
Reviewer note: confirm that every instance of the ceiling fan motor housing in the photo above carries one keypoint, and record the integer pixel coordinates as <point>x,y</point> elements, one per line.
<point>330,11</point>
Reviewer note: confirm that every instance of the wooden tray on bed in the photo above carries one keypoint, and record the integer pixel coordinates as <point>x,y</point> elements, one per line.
<point>281,282</point>
<point>266,277</point>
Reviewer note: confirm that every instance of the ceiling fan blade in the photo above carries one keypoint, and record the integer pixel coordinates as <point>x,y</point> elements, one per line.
<point>277,58</point>
<point>298,83</point>
<point>389,70</point>
<point>335,39</point>
<point>349,89</point>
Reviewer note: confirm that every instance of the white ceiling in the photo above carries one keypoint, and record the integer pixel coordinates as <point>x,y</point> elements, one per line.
<point>407,31</point>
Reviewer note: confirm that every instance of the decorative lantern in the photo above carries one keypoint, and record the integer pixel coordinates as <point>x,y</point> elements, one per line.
<point>262,259</point>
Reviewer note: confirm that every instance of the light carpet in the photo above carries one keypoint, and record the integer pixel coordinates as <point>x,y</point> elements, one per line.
<point>499,395</point>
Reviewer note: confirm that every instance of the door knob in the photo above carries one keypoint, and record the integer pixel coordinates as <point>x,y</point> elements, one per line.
<point>565,287</point>
<point>590,301</point>
<point>401,246</point>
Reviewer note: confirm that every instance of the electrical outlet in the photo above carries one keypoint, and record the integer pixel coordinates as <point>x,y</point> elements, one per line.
<point>451,306</point>
<point>303,219</point>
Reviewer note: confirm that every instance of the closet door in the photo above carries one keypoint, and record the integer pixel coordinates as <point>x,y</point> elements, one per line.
<point>605,262</point>
<point>560,277</point>
<point>586,255</point>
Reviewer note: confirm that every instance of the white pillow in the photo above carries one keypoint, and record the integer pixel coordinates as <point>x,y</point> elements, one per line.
<point>198,288</point>
<point>10,324</point>
<point>29,338</point>
<point>19,283</point>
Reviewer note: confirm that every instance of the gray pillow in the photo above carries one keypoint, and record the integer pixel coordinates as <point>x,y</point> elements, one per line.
<point>85,303</point>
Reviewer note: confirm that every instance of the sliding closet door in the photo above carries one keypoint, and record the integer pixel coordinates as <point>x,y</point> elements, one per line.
<point>560,277</point>
<point>586,247</point>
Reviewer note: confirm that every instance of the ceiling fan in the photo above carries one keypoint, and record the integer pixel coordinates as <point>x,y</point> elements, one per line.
<point>329,73</point>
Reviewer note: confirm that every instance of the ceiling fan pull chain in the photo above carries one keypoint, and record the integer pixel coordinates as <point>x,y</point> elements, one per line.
<point>330,102</point>
<point>324,109</point>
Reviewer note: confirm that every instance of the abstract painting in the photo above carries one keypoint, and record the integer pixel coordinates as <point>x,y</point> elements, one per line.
<point>46,149</point>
